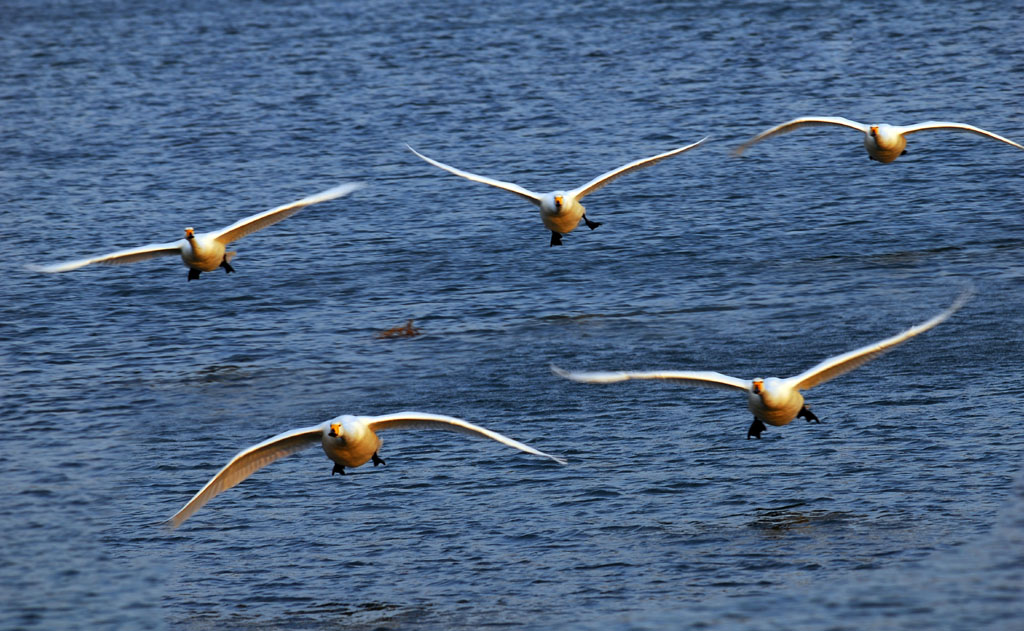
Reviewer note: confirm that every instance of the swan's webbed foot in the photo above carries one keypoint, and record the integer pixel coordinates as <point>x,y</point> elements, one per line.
<point>556,238</point>
<point>227,266</point>
<point>193,274</point>
<point>590,224</point>
<point>904,152</point>
<point>337,469</point>
<point>807,414</point>
<point>873,158</point>
<point>377,459</point>
<point>756,428</point>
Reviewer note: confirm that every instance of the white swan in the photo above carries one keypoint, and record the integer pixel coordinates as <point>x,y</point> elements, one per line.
<point>203,252</point>
<point>772,400</point>
<point>349,441</point>
<point>884,142</point>
<point>561,211</point>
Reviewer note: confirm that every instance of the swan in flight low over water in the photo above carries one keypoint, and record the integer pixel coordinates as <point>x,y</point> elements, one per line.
<point>561,211</point>
<point>772,400</point>
<point>204,252</point>
<point>884,142</point>
<point>349,441</point>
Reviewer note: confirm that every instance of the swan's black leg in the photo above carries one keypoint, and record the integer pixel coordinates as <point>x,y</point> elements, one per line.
<point>590,224</point>
<point>556,238</point>
<point>756,428</point>
<point>227,266</point>
<point>904,152</point>
<point>337,469</point>
<point>377,459</point>
<point>807,414</point>
<point>193,274</point>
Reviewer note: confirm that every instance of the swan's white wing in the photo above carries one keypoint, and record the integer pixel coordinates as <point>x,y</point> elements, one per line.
<point>696,378</point>
<point>797,123</point>
<point>910,129</point>
<point>508,186</point>
<point>606,178</point>
<point>247,462</point>
<point>115,258</point>
<point>835,366</point>
<point>261,220</point>
<point>419,420</point>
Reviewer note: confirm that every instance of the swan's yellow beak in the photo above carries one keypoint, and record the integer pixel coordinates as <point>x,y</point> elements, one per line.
<point>335,429</point>
<point>758,386</point>
<point>189,233</point>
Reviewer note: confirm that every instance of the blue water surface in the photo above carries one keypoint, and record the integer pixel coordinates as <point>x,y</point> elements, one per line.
<point>125,389</point>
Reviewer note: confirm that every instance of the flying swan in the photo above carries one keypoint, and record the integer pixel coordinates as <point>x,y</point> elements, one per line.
<point>561,211</point>
<point>203,252</point>
<point>772,400</point>
<point>884,142</point>
<point>349,441</point>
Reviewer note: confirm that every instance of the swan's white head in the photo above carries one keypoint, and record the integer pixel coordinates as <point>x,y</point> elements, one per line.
<point>884,136</point>
<point>190,233</point>
<point>772,391</point>
<point>554,203</point>
<point>334,434</point>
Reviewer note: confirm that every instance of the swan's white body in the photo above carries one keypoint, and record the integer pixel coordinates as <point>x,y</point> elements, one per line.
<point>773,400</point>
<point>206,251</point>
<point>350,441</point>
<point>561,211</point>
<point>884,143</point>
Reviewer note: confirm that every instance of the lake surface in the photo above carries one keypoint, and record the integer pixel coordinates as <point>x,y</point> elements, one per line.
<point>126,388</point>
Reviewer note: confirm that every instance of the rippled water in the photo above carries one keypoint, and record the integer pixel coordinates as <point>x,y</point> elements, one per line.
<point>125,389</point>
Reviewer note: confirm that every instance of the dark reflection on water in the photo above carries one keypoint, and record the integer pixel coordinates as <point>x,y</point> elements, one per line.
<point>125,389</point>
<point>785,518</point>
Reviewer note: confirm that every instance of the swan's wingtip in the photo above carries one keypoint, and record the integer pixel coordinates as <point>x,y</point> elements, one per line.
<point>692,145</point>
<point>570,375</point>
<point>171,524</point>
<point>561,372</point>
<point>965,295</point>
<point>342,189</point>
<point>53,268</point>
